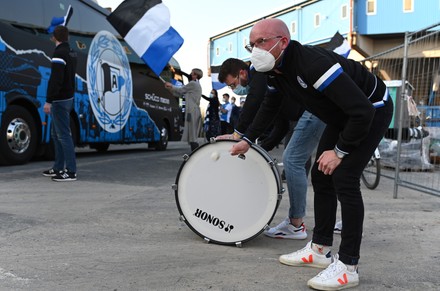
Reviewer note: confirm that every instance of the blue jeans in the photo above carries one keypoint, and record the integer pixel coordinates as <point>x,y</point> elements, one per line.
<point>304,140</point>
<point>62,137</point>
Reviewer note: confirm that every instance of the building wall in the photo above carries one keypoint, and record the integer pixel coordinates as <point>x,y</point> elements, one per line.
<point>389,17</point>
<point>300,19</point>
<point>372,33</point>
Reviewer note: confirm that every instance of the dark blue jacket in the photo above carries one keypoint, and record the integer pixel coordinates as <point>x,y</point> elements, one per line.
<point>62,78</point>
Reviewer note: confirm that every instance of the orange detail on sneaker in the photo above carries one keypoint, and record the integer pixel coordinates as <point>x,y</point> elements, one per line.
<point>320,249</point>
<point>308,261</point>
<point>343,280</point>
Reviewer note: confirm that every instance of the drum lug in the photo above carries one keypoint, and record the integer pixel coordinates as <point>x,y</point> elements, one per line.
<point>207,240</point>
<point>182,218</point>
<point>185,157</point>
<point>280,196</point>
<point>238,244</point>
<point>174,187</point>
<point>271,164</point>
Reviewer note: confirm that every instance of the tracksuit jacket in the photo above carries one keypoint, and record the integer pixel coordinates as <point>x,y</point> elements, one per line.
<point>337,90</point>
<point>288,111</point>
<point>62,81</point>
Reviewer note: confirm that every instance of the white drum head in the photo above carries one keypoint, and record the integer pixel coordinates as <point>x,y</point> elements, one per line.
<point>226,199</point>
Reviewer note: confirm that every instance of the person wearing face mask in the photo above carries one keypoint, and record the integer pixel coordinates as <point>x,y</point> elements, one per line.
<point>357,109</point>
<point>237,74</point>
<point>211,125</point>
<point>298,146</point>
<point>225,115</point>
<point>235,112</point>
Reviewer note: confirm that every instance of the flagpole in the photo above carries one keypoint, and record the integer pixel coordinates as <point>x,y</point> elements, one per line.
<point>162,79</point>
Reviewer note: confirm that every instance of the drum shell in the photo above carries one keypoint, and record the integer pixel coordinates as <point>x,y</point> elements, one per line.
<point>227,199</point>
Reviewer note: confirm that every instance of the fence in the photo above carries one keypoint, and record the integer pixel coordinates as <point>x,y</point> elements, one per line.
<point>410,151</point>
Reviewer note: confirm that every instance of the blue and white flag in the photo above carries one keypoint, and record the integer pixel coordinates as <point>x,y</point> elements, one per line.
<point>63,20</point>
<point>339,45</point>
<point>145,26</point>
<point>214,78</point>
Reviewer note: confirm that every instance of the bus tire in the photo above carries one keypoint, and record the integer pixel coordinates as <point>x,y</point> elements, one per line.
<point>18,136</point>
<point>100,147</point>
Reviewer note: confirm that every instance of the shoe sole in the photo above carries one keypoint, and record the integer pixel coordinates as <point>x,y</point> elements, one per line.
<point>49,175</point>
<point>302,264</point>
<point>330,288</point>
<point>64,180</point>
<point>286,236</point>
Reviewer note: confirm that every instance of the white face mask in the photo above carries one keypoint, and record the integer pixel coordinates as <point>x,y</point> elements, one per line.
<point>263,60</point>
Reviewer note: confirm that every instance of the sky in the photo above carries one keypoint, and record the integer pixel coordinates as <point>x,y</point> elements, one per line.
<point>198,20</point>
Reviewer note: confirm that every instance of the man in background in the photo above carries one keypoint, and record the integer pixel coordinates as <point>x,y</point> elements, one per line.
<point>59,104</point>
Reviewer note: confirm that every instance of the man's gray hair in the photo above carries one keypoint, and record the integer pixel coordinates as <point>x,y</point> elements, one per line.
<point>198,72</point>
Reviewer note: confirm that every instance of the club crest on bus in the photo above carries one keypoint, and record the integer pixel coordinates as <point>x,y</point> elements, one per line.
<point>109,82</point>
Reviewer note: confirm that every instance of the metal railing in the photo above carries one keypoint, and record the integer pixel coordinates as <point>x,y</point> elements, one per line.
<point>412,74</point>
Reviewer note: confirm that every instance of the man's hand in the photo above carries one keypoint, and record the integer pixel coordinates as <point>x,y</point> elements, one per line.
<point>47,107</point>
<point>168,85</point>
<point>239,148</point>
<point>328,162</point>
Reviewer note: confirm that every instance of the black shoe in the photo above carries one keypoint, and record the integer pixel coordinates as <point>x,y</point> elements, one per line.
<point>64,176</point>
<point>50,173</point>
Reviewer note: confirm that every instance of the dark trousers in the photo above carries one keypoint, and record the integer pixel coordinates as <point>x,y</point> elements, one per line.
<point>344,185</point>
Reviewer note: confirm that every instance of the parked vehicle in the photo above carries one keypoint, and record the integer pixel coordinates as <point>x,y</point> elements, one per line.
<point>118,99</point>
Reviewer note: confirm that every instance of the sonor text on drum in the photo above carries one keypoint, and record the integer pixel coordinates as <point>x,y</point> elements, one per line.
<point>215,221</point>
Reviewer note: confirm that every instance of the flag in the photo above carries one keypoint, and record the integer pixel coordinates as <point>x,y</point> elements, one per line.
<point>145,26</point>
<point>214,78</point>
<point>339,45</point>
<point>63,20</point>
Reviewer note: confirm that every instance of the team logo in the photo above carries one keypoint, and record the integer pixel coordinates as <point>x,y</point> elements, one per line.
<point>109,82</point>
<point>301,82</point>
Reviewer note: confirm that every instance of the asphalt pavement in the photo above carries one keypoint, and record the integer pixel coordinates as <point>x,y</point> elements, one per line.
<point>118,228</point>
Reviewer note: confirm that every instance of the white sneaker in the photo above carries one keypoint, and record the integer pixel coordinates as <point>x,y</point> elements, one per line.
<point>306,257</point>
<point>286,230</point>
<point>335,277</point>
<point>338,227</point>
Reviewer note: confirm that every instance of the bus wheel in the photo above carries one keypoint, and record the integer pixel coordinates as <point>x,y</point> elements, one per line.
<point>18,136</point>
<point>100,147</point>
<point>162,144</point>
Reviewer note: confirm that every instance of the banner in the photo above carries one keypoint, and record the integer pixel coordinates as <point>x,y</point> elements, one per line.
<point>145,26</point>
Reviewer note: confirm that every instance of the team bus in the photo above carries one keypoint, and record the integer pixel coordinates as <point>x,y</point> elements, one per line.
<point>118,99</point>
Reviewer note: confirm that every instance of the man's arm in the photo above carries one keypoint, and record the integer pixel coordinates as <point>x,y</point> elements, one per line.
<point>264,118</point>
<point>56,77</point>
<point>257,90</point>
<point>279,131</point>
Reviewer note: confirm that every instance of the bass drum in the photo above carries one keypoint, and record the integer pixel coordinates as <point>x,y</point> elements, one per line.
<point>227,199</point>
